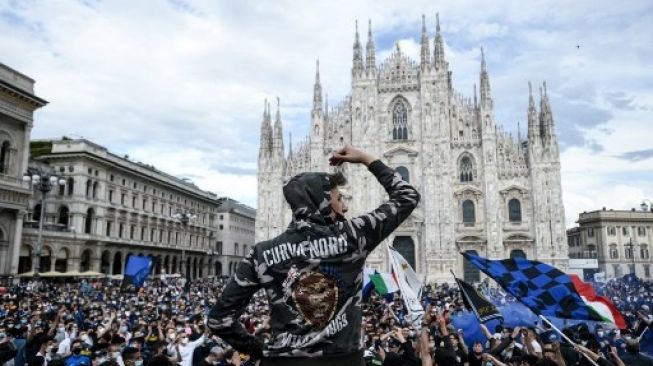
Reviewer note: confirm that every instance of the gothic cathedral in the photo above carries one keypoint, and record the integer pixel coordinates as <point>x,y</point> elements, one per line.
<point>482,190</point>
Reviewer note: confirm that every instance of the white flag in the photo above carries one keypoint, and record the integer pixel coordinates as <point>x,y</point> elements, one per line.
<point>409,285</point>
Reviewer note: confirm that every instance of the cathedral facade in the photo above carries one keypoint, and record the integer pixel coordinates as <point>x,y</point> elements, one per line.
<point>482,189</point>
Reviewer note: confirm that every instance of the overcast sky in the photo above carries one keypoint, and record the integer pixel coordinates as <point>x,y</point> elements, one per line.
<point>180,84</point>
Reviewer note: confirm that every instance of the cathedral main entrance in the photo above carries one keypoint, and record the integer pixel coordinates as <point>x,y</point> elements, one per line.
<point>406,247</point>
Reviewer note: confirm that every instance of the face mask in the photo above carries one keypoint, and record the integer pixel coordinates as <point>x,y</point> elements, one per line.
<point>116,354</point>
<point>123,329</point>
<point>184,341</point>
<point>61,329</point>
<point>77,351</point>
<point>600,334</point>
<point>138,363</point>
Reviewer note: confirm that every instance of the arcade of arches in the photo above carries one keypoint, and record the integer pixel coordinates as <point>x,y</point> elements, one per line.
<point>111,261</point>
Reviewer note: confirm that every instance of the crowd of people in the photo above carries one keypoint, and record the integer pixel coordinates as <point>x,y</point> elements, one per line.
<point>93,324</point>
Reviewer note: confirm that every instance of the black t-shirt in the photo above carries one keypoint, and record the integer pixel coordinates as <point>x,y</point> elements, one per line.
<point>473,360</point>
<point>449,356</point>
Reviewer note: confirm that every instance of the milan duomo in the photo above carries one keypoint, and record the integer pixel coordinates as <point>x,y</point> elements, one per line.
<point>482,189</point>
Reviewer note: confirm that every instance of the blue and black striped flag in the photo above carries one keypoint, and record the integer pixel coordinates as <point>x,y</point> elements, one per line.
<point>137,269</point>
<point>543,288</point>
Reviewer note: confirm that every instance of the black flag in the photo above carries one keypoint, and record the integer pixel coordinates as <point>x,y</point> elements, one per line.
<point>478,303</point>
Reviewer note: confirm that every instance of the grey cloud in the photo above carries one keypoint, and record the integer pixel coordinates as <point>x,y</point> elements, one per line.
<point>620,100</point>
<point>637,155</point>
<point>573,119</point>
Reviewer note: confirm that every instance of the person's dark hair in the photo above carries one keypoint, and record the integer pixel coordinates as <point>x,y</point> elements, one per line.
<point>129,353</point>
<point>336,179</point>
<point>159,360</point>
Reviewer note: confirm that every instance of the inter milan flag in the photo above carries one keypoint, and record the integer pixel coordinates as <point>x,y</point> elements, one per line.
<point>478,303</point>
<point>136,271</point>
<point>544,289</point>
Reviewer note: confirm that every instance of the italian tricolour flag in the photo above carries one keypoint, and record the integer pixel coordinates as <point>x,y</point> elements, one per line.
<point>384,283</point>
<point>602,305</point>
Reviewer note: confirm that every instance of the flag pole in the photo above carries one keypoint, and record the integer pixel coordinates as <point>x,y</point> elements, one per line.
<point>567,338</point>
<point>639,339</point>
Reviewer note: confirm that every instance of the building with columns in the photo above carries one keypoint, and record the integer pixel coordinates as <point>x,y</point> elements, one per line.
<point>112,207</point>
<point>17,105</point>
<point>620,240</point>
<point>235,233</point>
<point>483,190</point>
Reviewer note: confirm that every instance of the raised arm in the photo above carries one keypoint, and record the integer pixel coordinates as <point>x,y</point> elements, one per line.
<point>223,318</point>
<point>371,228</point>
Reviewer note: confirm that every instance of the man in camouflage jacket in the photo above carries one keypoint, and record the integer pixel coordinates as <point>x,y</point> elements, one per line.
<point>313,272</point>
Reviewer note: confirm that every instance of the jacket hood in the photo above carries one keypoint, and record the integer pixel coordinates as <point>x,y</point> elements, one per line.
<point>309,197</point>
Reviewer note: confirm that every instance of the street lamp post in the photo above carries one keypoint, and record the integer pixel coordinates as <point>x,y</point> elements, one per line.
<point>185,217</point>
<point>632,254</point>
<point>43,182</point>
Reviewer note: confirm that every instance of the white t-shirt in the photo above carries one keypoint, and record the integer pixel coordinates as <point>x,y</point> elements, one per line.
<point>186,351</point>
<point>536,346</point>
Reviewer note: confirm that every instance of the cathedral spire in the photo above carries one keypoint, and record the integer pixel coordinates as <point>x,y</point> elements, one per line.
<point>486,97</point>
<point>266,130</point>
<point>277,136</point>
<point>546,117</point>
<point>425,52</point>
<point>370,60</point>
<point>289,145</point>
<point>326,106</point>
<point>317,89</point>
<point>438,47</point>
<point>358,54</point>
<point>533,125</point>
<point>475,100</point>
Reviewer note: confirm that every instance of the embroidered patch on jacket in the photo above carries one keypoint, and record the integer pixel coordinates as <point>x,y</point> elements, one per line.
<point>315,297</point>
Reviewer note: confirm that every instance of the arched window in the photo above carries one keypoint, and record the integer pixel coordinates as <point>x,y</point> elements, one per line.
<point>4,157</point>
<point>89,184</point>
<point>62,217</point>
<point>514,210</point>
<point>406,247</point>
<point>466,169</point>
<point>403,171</point>
<point>62,190</point>
<point>236,249</point>
<point>517,253</point>
<point>469,214</point>
<point>71,186</point>
<point>95,189</point>
<point>88,225</point>
<point>399,121</point>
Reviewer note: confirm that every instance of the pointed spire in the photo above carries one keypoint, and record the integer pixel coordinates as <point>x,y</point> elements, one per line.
<point>475,100</point>
<point>438,47</point>
<point>358,53</point>
<point>326,106</point>
<point>266,130</point>
<point>370,61</point>
<point>425,52</point>
<point>317,89</point>
<point>277,134</point>
<point>486,97</point>
<point>518,133</point>
<point>546,116</point>
<point>290,145</point>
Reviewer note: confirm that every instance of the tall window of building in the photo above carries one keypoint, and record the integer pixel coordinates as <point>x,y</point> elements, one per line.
<point>90,218</point>
<point>614,253</point>
<point>133,201</point>
<point>71,185</point>
<point>89,186</point>
<point>143,233</point>
<point>469,214</point>
<point>5,153</point>
<point>111,196</point>
<point>399,121</point>
<point>132,231</point>
<point>624,230</point>
<point>122,198</point>
<point>235,248</point>
<point>590,232</point>
<point>108,232</point>
<point>629,253</point>
<point>121,229</point>
<point>643,252</point>
<point>218,247</point>
<point>466,169</point>
<point>514,210</point>
<point>96,188</point>
<point>641,231</point>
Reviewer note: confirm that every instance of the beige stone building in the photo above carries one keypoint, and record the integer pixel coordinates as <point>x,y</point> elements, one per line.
<point>112,207</point>
<point>17,105</point>
<point>235,233</point>
<point>620,240</point>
